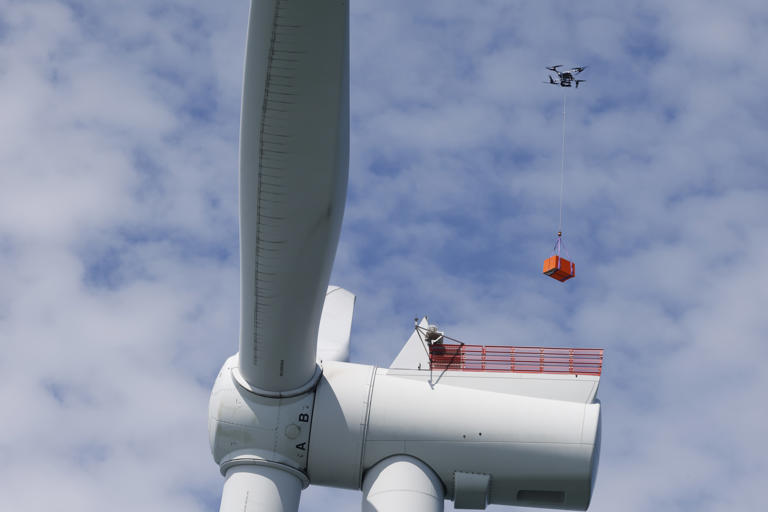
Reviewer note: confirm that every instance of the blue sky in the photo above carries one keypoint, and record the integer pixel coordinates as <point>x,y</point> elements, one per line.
<point>118,230</point>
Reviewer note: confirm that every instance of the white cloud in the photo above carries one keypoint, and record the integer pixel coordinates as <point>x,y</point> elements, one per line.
<point>118,241</point>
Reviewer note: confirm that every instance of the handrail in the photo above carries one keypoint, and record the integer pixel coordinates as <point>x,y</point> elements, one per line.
<point>499,358</point>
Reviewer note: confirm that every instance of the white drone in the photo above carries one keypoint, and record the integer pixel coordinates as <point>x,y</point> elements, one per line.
<point>287,410</point>
<point>566,78</point>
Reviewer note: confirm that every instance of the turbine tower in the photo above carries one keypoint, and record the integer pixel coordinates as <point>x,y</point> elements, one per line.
<point>476,425</point>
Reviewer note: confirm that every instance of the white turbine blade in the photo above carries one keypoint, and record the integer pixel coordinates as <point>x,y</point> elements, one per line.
<point>260,489</point>
<point>402,483</point>
<point>294,146</point>
<point>335,325</point>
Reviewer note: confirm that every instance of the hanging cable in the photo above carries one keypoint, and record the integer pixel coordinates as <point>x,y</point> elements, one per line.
<point>562,175</point>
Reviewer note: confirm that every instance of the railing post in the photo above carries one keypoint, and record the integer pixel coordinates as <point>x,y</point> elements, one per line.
<point>541,360</point>
<point>600,367</point>
<point>570,360</point>
<point>512,359</point>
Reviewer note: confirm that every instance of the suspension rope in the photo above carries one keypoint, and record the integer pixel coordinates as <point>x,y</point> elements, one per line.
<point>562,175</point>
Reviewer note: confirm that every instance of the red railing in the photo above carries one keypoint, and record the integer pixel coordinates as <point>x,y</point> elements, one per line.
<point>479,358</point>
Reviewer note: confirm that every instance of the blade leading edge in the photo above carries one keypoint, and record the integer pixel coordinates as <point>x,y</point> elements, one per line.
<point>294,153</point>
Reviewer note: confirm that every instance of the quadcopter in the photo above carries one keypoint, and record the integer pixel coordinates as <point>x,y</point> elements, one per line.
<point>566,78</point>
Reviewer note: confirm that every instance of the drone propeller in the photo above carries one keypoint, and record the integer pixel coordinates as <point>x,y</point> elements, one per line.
<point>578,82</point>
<point>554,68</point>
<point>579,69</point>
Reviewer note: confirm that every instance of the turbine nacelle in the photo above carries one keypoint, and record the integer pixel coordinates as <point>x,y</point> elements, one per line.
<point>534,436</point>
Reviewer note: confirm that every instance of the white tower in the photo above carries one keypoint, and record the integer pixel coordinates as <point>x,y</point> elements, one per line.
<point>475,425</point>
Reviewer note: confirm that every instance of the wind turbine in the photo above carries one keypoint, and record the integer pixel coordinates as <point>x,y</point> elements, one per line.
<point>486,425</point>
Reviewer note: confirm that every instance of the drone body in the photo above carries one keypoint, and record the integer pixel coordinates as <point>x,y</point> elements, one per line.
<point>566,78</point>
<point>287,410</point>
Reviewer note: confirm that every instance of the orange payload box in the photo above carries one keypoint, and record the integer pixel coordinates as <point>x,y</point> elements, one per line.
<point>559,268</point>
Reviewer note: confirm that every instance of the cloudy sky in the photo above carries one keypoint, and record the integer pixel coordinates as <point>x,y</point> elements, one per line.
<point>119,250</point>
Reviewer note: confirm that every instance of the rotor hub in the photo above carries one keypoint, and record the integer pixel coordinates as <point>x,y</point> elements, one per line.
<point>246,428</point>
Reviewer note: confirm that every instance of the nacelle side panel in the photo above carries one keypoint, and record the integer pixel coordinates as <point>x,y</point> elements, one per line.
<point>537,451</point>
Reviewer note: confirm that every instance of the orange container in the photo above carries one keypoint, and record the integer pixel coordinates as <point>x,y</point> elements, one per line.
<point>559,268</point>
